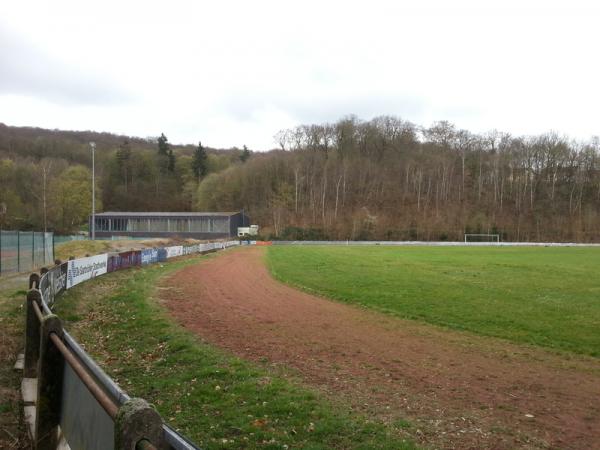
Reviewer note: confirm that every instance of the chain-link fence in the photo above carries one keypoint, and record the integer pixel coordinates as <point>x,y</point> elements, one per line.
<point>24,251</point>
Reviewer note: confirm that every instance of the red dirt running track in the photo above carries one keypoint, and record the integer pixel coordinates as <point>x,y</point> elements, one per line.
<point>458,390</point>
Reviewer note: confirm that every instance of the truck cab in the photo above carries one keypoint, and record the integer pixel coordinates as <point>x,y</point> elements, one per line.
<point>252,230</point>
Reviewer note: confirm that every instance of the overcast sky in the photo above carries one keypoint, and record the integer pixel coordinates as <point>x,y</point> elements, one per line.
<point>236,72</point>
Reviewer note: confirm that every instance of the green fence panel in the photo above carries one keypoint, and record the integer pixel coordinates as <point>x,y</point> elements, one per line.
<point>25,251</point>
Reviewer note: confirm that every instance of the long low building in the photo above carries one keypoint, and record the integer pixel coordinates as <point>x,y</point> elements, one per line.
<point>197,225</point>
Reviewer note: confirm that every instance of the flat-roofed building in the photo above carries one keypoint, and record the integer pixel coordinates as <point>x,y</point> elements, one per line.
<point>197,225</point>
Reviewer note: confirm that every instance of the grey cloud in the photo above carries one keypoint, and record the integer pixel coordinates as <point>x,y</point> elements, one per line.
<point>325,108</point>
<point>25,70</point>
<point>363,106</point>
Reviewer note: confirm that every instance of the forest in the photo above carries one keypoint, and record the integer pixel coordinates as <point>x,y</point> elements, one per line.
<point>45,176</point>
<point>384,178</point>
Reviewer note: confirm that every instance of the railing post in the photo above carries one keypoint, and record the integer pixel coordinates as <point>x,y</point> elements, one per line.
<point>50,380</point>
<point>34,281</point>
<point>137,420</point>
<point>32,333</point>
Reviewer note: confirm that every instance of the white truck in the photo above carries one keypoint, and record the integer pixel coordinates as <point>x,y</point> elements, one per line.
<point>252,230</point>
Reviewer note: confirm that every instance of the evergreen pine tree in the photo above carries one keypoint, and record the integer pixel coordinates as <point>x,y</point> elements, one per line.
<point>245,154</point>
<point>167,157</point>
<point>199,162</point>
<point>163,145</point>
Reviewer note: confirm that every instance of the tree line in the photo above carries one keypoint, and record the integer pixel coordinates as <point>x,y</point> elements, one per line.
<point>45,175</point>
<point>385,178</point>
<point>389,179</point>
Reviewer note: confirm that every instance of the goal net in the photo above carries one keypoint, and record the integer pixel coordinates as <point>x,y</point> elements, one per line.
<point>482,238</point>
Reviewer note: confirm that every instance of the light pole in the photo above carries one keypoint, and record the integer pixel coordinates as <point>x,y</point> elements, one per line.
<point>93,147</point>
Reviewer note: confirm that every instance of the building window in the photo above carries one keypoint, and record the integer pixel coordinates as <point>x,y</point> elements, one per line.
<point>119,225</point>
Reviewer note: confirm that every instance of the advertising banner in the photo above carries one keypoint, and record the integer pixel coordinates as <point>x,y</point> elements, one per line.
<point>162,254</point>
<point>190,249</point>
<point>124,260</point>
<point>112,263</point>
<point>53,283</point>
<point>149,256</point>
<point>82,269</point>
<point>174,251</point>
<point>204,247</point>
<point>130,259</point>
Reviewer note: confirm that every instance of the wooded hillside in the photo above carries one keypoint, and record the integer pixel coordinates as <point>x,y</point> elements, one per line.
<point>45,175</point>
<point>381,179</point>
<point>389,179</point>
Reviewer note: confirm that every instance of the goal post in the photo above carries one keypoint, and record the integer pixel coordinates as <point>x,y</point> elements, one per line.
<point>474,237</point>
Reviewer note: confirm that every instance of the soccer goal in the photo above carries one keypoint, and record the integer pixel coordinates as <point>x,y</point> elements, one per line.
<point>482,238</point>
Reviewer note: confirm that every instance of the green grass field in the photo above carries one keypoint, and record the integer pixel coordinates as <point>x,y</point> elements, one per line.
<point>547,296</point>
<point>218,400</point>
<point>13,434</point>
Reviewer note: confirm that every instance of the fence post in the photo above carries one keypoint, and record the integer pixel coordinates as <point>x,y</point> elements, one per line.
<point>18,251</point>
<point>137,420</point>
<point>32,334</point>
<point>34,281</point>
<point>33,250</point>
<point>50,380</point>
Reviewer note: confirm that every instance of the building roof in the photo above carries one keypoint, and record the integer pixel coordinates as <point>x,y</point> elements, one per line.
<point>165,214</point>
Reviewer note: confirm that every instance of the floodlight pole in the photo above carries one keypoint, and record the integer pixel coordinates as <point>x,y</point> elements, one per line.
<point>93,147</point>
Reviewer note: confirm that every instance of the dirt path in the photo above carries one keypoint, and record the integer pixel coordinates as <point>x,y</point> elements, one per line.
<point>458,390</point>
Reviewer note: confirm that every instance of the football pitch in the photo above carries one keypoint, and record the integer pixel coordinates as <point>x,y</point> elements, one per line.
<point>546,296</point>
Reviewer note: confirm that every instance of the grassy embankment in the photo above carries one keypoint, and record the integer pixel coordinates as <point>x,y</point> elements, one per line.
<point>536,295</point>
<point>79,249</point>
<point>214,398</point>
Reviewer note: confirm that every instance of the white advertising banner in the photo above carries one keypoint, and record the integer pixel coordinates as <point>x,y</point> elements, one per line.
<point>174,251</point>
<point>85,268</point>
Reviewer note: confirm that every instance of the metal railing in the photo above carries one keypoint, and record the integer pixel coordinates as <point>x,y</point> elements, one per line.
<point>77,403</point>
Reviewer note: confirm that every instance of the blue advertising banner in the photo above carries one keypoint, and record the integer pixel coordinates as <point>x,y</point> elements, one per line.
<point>149,256</point>
<point>124,260</point>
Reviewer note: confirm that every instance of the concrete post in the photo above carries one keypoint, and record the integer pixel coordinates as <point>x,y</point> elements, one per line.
<point>137,420</point>
<point>50,381</point>
<point>32,335</point>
